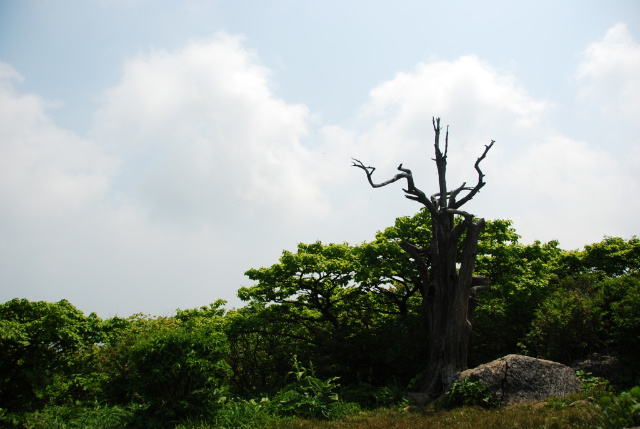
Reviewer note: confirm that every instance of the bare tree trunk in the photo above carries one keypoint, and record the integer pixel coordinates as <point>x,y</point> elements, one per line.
<point>447,307</point>
<point>448,285</point>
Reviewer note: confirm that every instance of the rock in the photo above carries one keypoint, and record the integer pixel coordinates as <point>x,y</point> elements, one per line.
<point>600,365</point>
<point>516,379</point>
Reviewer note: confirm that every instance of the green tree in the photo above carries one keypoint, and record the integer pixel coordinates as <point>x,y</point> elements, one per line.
<point>611,257</point>
<point>567,325</point>
<point>313,301</point>
<point>262,346</point>
<point>586,313</point>
<point>521,277</point>
<point>47,354</point>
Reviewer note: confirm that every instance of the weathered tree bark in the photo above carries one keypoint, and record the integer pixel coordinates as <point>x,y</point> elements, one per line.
<point>448,286</point>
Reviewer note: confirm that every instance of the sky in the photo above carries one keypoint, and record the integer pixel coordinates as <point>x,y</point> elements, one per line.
<point>151,152</point>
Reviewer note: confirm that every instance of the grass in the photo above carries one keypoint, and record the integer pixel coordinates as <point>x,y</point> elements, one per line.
<point>573,411</point>
<point>467,417</point>
<point>556,414</point>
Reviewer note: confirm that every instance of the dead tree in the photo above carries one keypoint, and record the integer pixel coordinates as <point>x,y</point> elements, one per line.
<point>447,284</point>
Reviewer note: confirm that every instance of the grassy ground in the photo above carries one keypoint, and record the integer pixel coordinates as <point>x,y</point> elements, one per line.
<point>580,410</point>
<point>570,412</point>
<point>468,417</point>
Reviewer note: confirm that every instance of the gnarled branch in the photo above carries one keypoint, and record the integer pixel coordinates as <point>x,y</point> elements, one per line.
<point>412,192</point>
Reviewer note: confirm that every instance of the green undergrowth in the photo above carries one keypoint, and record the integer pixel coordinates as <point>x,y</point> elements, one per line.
<point>308,402</point>
<point>597,408</point>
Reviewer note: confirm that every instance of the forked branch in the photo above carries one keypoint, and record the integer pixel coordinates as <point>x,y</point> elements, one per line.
<point>480,183</point>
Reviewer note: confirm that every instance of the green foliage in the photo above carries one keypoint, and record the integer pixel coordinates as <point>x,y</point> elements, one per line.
<point>261,347</point>
<point>244,414</point>
<point>619,304</point>
<point>585,314</point>
<point>53,356</point>
<point>566,324</point>
<point>71,417</point>
<point>591,382</point>
<point>468,393</point>
<point>354,328</point>
<point>46,354</point>
<point>354,311</point>
<point>520,277</point>
<point>306,396</point>
<point>176,368</point>
<point>317,275</point>
<point>612,257</point>
<point>370,397</point>
<point>621,411</point>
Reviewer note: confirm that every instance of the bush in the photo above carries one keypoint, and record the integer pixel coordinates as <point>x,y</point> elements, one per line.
<point>467,393</point>
<point>370,397</point>
<point>179,372</point>
<point>521,278</point>
<point>71,417</point>
<point>621,411</point>
<point>591,382</point>
<point>310,397</point>
<point>46,354</point>
<point>566,325</point>
<point>241,414</point>
<point>584,315</point>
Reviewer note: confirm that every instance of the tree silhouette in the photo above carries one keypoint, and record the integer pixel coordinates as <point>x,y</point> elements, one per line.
<point>447,283</point>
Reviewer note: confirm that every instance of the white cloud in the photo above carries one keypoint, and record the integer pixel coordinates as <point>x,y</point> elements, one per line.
<point>221,143</point>
<point>53,187</point>
<point>609,73</point>
<point>44,171</point>
<point>569,190</point>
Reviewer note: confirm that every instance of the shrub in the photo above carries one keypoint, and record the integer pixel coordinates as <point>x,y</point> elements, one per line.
<point>71,417</point>
<point>467,393</point>
<point>591,382</point>
<point>241,414</point>
<point>46,354</point>
<point>370,397</point>
<point>310,397</point>
<point>179,372</point>
<point>584,315</point>
<point>565,326</point>
<point>621,411</point>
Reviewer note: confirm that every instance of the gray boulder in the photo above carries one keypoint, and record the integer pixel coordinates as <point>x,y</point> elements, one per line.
<point>600,365</point>
<point>516,379</point>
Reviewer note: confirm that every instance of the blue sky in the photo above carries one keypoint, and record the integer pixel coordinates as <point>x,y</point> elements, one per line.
<point>153,151</point>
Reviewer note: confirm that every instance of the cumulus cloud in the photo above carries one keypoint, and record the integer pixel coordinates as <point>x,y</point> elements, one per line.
<point>44,171</point>
<point>52,185</point>
<point>569,190</point>
<point>609,73</point>
<point>217,142</point>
